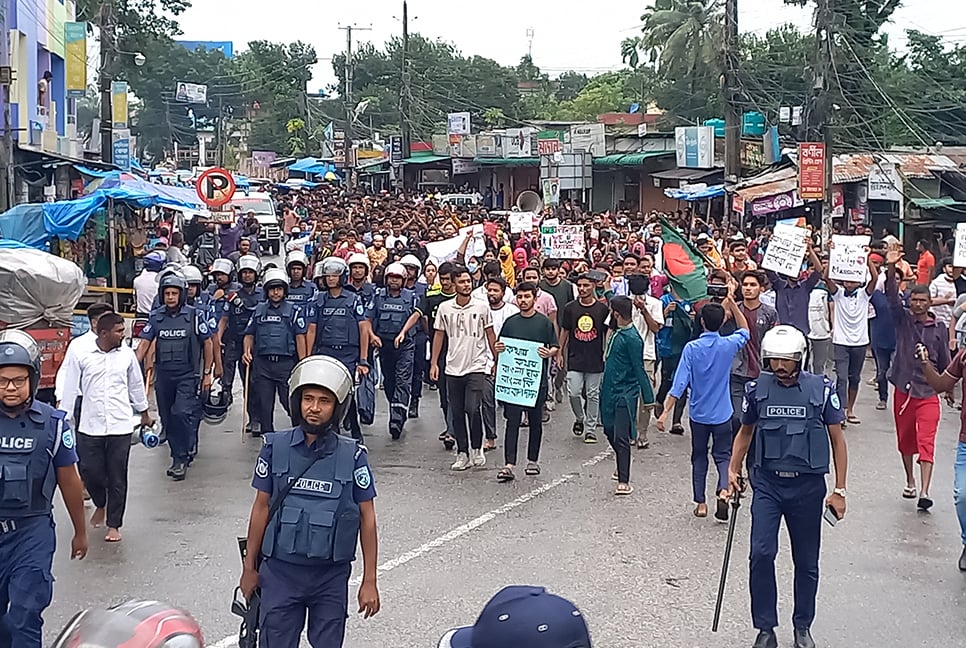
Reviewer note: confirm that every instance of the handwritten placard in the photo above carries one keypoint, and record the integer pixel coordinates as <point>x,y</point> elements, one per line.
<point>847,260</point>
<point>959,252</point>
<point>519,370</point>
<point>785,251</point>
<point>521,222</point>
<point>563,241</point>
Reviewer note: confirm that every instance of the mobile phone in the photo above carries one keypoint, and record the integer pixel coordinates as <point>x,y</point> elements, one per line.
<point>830,516</point>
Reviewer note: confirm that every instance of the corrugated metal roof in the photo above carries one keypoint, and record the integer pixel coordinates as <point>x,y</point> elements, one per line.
<point>508,162</point>
<point>629,159</point>
<point>686,174</point>
<point>855,167</point>
<point>936,203</point>
<point>768,189</point>
<point>785,173</point>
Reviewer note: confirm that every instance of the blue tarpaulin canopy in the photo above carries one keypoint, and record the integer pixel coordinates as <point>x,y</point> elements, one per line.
<point>696,193</point>
<point>312,166</point>
<point>24,224</point>
<point>94,173</point>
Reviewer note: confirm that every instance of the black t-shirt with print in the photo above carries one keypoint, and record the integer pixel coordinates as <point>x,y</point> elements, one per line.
<point>586,329</point>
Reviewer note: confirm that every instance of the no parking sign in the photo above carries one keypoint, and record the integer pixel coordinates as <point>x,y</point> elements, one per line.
<point>215,187</point>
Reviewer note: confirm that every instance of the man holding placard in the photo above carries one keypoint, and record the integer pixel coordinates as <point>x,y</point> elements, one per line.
<point>791,291</point>
<point>850,326</point>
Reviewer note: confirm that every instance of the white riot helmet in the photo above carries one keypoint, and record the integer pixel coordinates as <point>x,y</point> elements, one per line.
<point>785,342</point>
<point>296,256</point>
<point>332,266</point>
<point>396,269</point>
<point>325,372</point>
<point>249,262</point>
<point>359,257</point>
<point>410,261</point>
<point>275,277</point>
<point>223,266</point>
<point>192,275</point>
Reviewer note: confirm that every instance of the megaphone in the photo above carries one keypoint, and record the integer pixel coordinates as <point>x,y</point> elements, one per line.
<point>530,201</point>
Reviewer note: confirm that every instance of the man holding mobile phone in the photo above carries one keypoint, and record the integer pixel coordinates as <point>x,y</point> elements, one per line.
<point>792,416</point>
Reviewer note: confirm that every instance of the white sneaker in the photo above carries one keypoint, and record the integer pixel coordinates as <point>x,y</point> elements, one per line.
<point>479,458</point>
<point>462,462</point>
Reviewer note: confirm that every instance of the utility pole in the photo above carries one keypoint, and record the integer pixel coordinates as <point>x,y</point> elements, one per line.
<point>349,108</point>
<point>106,27</point>
<point>220,133</point>
<point>6,150</point>
<point>824,27</point>
<point>405,92</point>
<point>729,88</point>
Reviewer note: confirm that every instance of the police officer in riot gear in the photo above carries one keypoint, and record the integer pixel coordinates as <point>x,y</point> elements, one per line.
<point>181,338</point>
<point>314,500</point>
<point>359,276</point>
<point>338,326</point>
<point>421,339</point>
<point>788,418</point>
<point>37,456</point>
<point>300,292</point>
<point>274,342</point>
<point>395,313</point>
<point>202,300</point>
<point>221,284</point>
<point>237,309</point>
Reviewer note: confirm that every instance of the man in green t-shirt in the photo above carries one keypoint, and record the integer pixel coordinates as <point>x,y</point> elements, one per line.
<point>532,326</point>
<point>563,292</point>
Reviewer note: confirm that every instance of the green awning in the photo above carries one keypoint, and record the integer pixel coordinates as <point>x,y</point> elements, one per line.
<point>508,162</point>
<point>629,159</point>
<point>936,203</point>
<point>424,159</point>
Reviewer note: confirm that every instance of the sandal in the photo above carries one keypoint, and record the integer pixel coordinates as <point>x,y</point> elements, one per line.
<point>677,429</point>
<point>533,469</point>
<point>853,419</point>
<point>701,511</point>
<point>505,475</point>
<point>614,476</point>
<point>623,489</point>
<point>909,492</point>
<point>489,448</point>
<point>642,444</point>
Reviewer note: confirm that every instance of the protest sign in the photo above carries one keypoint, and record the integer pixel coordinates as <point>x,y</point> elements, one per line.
<point>847,260</point>
<point>786,249</point>
<point>563,241</point>
<point>519,370</point>
<point>446,249</point>
<point>521,222</point>
<point>959,252</point>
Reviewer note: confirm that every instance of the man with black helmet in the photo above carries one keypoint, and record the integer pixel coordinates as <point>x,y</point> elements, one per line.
<point>300,291</point>
<point>237,308</point>
<point>37,456</point>
<point>338,326</point>
<point>306,478</point>
<point>792,416</point>
<point>181,338</point>
<point>274,342</point>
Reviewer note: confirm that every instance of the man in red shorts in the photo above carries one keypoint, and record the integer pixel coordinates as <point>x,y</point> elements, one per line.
<point>915,403</point>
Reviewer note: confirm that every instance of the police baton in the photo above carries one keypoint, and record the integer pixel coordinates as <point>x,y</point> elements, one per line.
<point>735,505</point>
<point>248,377</point>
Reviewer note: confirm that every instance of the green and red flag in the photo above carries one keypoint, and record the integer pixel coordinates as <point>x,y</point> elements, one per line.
<point>683,265</point>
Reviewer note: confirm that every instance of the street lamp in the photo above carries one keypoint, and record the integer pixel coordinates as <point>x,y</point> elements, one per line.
<point>139,59</point>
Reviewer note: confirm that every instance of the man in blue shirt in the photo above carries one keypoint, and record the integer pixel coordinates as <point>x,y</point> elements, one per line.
<point>705,366</point>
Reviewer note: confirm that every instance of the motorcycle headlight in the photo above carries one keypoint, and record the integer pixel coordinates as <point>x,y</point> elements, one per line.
<point>182,641</point>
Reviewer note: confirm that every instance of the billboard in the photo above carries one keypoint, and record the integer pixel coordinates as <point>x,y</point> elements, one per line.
<point>195,93</point>
<point>121,148</point>
<point>75,58</point>
<point>458,123</point>
<point>588,137</point>
<point>517,143</point>
<point>225,47</point>
<point>119,103</point>
<point>694,147</point>
<point>811,170</point>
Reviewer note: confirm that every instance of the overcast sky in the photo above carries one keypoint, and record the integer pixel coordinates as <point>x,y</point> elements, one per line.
<point>588,41</point>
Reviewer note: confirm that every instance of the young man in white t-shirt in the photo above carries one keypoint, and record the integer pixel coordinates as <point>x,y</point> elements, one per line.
<point>850,334</point>
<point>648,318</point>
<point>500,310</point>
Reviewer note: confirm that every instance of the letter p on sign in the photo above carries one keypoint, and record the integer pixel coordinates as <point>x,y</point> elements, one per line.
<point>215,187</point>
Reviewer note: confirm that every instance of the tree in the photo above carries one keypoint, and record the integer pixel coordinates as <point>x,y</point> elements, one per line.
<point>682,36</point>
<point>569,84</point>
<point>609,92</point>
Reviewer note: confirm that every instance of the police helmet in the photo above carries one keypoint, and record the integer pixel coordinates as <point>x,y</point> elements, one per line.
<point>249,262</point>
<point>214,409</point>
<point>360,258</point>
<point>396,269</point>
<point>275,277</point>
<point>173,279</point>
<point>154,261</point>
<point>326,372</point>
<point>785,342</point>
<point>332,266</point>
<point>223,266</point>
<point>135,624</point>
<point>296,256</point>
<point>192,275</point>
<point>410,261</point>
<point>19,349</point>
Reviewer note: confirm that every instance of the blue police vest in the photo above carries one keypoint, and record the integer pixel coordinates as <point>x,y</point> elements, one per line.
<point>274,334</point>
<point>367,292</point>
<point>318,522</point>
<point>27,474</point>
<point>391,313</point>
<point>238,316</point>
<point>177,348</point>
<point>419,289</point>
<point>336,323</point>
<point>791,434</point>
<point>300,295</point>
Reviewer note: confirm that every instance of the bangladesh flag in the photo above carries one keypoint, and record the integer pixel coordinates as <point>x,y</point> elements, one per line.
<point>683,265</point>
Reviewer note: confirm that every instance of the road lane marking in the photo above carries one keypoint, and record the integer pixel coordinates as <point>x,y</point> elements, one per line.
<point>457,532</point>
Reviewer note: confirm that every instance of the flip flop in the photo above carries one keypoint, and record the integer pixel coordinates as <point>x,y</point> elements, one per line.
<point>677,430</point>
<point>623,489</point>
<point>505,475</point>
<point>110,539</point>
<point>489,448</point>
<point>532,469</point>
<point>854,420</point>
<point>700,514</point>
<point>909,493</point>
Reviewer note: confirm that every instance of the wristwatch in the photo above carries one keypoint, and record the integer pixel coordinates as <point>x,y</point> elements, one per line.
<point>840,492</point>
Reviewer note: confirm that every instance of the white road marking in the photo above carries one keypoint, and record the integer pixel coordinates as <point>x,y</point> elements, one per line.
<point>457,532</point>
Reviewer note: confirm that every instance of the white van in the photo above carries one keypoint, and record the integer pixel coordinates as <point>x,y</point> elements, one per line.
<point>270,232</point>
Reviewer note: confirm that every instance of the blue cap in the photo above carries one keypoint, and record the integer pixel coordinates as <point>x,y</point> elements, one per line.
<point>521,615</point>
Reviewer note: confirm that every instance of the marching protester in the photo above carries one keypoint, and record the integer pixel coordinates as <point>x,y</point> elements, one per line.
<point>109,377</point>
<point>648,318</point>
<point>500,310</point>
<point>793,293</point>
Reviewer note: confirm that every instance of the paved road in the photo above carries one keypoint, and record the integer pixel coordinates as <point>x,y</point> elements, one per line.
<point>642,569</point>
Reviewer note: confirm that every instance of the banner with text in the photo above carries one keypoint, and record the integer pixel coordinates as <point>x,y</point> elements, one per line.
<point>519,370</point>
<point>119,103</point>
<point>786,250</point>
<point>959,252</point>
<point>75,58</point>
<point>563,241</point>
<point>848,258</point>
